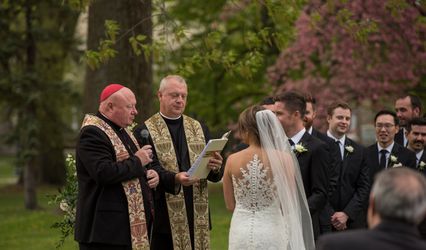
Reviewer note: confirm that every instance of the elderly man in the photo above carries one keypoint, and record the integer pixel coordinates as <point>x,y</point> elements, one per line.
<point>181,218</point>
<point>397,205</point>
<point>114,206</point>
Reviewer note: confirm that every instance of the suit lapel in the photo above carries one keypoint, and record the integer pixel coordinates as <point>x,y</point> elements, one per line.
<point>374,157</point>
<point>395,152</point>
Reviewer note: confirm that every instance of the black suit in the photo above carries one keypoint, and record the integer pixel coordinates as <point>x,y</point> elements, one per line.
<point>387,235</point>
<point>399,137</point>
<point>351,195</point>
<point>314,165</point>
<point>422,226</point>
<point>102,213</point>
<point>333,176</point>
<point>422,159</point>
<point>405,157</point>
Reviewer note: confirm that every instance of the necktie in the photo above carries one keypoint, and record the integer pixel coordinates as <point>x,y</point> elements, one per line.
<point>291,142</point>
<point>338,147</point>
<point>382,163</point>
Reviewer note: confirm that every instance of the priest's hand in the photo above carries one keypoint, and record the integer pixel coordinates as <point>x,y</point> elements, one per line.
<point>153,178</point>
<point>215,163</point>
<point>184,179</point>
<point>145,154</point>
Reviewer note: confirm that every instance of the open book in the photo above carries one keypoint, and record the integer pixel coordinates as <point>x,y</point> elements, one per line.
<point>199,168</point>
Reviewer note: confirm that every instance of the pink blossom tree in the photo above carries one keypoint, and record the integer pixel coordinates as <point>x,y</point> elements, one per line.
<point>355,50</point>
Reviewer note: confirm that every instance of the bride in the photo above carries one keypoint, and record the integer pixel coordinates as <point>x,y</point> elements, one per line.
<point>263,188</point>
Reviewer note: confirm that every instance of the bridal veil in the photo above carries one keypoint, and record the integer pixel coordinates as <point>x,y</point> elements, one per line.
<point>287,178</point>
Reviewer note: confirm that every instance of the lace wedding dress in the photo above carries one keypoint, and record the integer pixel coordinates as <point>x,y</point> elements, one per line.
<point>257,221</point>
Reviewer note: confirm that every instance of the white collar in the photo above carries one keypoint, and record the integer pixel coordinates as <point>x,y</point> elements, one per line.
<point>341,140</point>
<point>297,137</point>
<point>419,155</point>
<point>310,130</point>
<point>388,148</point>
<point>170,118</point>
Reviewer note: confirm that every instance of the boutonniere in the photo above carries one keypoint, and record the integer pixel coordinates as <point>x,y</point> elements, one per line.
<point>132,126</point>
<point>394,161</point>
<point>349,149</point>
<point>299,148</point>
<point>422,165</point>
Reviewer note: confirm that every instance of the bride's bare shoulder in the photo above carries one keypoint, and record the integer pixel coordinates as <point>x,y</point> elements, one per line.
<point>243,155</point>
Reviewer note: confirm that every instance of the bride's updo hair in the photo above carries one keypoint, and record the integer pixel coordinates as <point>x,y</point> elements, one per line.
<point>247,126</point>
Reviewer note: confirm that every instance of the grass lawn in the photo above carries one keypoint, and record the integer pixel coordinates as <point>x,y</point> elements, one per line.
<point>23,229</point>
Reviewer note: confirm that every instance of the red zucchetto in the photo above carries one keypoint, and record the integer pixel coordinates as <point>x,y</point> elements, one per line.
<point>109,90</point>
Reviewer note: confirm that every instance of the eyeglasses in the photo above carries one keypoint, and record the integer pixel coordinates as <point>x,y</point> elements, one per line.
<point>384,125</point>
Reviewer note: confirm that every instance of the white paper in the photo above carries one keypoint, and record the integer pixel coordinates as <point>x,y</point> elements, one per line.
<point>199,168</point>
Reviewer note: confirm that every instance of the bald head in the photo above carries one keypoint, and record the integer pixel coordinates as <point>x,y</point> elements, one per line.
<point>120,107</point>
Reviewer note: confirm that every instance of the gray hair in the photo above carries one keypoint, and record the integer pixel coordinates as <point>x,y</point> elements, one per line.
<point>165,80</point>
<point>400,194</point>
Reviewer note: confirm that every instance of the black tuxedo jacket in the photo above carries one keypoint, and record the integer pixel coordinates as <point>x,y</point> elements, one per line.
<point>422,159</point>
<point>102,214</point>
<point>399,137</point>
<point>389,235</point>
<point>353,186</point>
<point>314,164</point>
<point>422,226</point>
<point>405,157</point>
<point>333,177</point>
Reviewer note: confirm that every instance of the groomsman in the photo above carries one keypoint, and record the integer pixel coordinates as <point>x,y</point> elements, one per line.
<point>386,153</point>
<point>407,107</point>
<point>312,153</point>
<point>310,115</point>
<point>308,120</point>
<point>416,135</point>
<point>349,200</point>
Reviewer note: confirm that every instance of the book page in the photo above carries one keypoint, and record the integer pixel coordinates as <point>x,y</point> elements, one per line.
<point>199,168</point>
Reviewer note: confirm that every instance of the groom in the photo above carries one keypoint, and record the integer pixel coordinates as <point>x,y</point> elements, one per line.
<point>312,153</point>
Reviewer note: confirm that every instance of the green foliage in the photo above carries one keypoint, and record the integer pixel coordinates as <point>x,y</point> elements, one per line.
<point>106,49</point>
<point>359,29</point>
<point>66,199</point>
<point>216,45</point>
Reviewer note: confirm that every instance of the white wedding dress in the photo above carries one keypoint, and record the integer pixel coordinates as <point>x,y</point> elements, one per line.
<point>271,210</point>
<point>257,221</point>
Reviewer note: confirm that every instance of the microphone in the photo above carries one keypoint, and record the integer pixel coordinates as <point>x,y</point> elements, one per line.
<point>145,141</point>
<point>145,137</point>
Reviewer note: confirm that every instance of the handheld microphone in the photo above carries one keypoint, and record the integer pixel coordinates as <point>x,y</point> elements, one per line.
<point>145,137</point>
<point>145,141</point>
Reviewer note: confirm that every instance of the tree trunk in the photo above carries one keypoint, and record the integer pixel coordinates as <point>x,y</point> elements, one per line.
<point>135,72</point>
<point>59,20</point>
<point>30,195</point>
<point>30,185</point>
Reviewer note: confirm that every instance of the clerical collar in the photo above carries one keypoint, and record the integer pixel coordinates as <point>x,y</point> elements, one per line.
<point>297,137</point>
<point>170,118</point>
<point>111,123</point>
